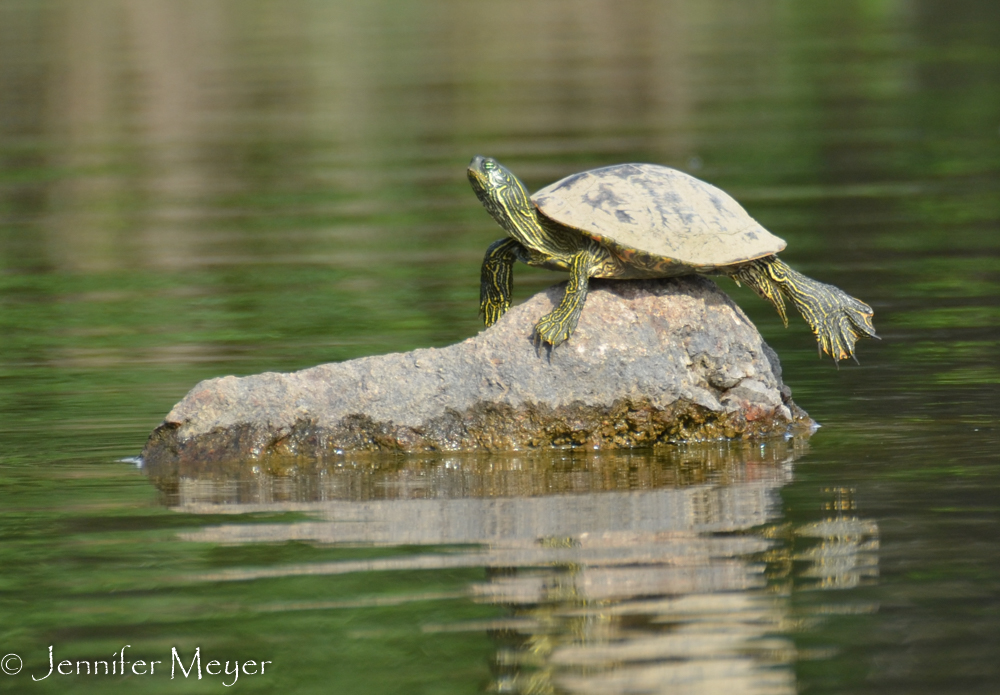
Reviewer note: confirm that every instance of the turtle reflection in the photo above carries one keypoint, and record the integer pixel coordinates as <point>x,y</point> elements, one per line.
<point>666,571</point>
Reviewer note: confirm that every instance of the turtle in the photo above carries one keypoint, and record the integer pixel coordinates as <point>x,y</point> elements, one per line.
<point>644,221</point>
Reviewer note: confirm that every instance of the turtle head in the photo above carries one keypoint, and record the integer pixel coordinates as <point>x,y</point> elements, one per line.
<point>504,197</point>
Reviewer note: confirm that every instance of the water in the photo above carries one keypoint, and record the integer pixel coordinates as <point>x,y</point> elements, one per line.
<point>191,190</point>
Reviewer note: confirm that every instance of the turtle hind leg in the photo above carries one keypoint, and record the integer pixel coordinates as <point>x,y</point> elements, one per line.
<point>755,276</point>
<point>496,280</point>
<point>837,319</point>
<point>558,325</point>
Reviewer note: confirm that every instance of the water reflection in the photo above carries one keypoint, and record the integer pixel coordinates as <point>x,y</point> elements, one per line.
<point>617,573</point>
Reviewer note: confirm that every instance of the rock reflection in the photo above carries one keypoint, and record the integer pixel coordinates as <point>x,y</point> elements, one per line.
<point>666,571</point>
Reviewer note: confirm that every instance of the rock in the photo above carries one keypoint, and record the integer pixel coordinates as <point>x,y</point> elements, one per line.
<point>650,362</point>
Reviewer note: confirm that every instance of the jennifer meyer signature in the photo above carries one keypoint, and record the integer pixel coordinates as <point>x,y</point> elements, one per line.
<point>118,665</point>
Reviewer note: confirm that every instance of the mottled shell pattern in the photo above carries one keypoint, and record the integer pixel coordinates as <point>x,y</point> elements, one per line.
<point>657,219</point>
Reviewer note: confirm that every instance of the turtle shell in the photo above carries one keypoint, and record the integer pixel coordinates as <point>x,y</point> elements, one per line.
<point>656,211</point>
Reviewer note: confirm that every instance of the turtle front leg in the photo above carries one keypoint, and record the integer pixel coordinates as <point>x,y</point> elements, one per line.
<point>837,319</point>
<point>558,325</point>
<point>497,278</point>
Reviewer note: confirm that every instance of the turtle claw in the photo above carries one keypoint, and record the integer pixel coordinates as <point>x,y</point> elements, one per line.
<point>553,331</point>
<point>540,344</point>
<point>838,332</point>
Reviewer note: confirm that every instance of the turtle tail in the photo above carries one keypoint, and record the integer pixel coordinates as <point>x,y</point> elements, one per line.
<point>837,319</point>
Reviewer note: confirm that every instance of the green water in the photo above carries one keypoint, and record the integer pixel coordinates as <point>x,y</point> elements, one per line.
<point>189,190</point>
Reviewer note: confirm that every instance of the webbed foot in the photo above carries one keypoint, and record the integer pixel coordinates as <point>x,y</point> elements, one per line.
<point>557,326</point>
<point>837,319</point>
<point>839,328</point>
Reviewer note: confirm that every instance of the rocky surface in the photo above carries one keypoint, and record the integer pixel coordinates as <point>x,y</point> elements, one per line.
<point>650,362</point>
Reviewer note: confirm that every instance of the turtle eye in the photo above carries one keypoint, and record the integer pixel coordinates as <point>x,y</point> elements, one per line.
<point>489,165</point>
